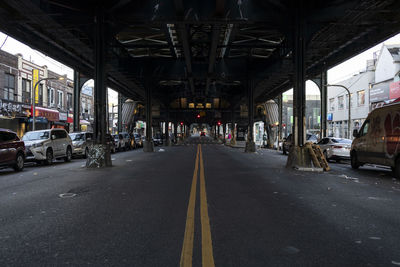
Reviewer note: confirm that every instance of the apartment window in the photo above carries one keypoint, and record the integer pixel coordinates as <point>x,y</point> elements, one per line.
<point>9,87</point>
<point>60,99</point>
<point>69,100</point>
<point>26,91</point>
<point>341,102</point>
<point>332,104</point>
<point>89,106</point>
<point>40,95</point>
<point>83,106</point>
<point>51,97</point>
<point>361,98</point>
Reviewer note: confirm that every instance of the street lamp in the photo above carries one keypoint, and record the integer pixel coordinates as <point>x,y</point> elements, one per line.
<point>34,98</point>
<point>348,92</point>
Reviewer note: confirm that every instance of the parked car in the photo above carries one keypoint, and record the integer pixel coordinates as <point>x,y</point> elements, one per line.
<point>157,140</point>
<point>117,142</point>
<point>378,141</point>
<point>47,145</point>
<point>81,141</point>
<point>138,140</point>
<point>335,148</point>
<point>288,142</point>
<point>125,141</point>
<point>12,150</point>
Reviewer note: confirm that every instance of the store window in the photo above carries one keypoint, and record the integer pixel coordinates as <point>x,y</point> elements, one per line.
<point>26,91</point>
<point>9,87</point>
<point>332,104</point>
<point>341,102</point>
<point>361,98</point>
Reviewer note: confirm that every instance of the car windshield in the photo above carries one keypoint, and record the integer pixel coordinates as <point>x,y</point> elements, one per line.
<point>341,140</point>
<point>77,136</point>
<point>31,136</point>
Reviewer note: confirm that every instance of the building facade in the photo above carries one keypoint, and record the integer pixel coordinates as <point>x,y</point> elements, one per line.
<point>53,98</point>
<point>338,103</point>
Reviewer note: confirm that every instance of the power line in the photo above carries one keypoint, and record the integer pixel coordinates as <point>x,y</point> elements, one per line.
<point>4,42</point>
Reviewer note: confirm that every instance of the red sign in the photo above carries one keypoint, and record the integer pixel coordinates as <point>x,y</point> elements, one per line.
<point>394,90</point>
<point>49,114</point>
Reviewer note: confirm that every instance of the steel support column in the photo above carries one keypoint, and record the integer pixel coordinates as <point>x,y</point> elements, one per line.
<point>324,103</point>
<point>224,132</point>
<point>119,123</point>
<point>299,103</point>
<point>148,145</point>
<point>77,101</point>
<point>100,95</point>
<point>250,145</point>
<point>280,119</point>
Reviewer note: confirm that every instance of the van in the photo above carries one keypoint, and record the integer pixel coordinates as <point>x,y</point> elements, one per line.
<point>378,140</point>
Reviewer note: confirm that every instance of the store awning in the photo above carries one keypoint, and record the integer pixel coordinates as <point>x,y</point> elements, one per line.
<point>49,114</point>
<point>84,122</point>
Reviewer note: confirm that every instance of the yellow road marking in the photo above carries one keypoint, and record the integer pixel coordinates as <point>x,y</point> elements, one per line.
<point>187,249</point>
<point>206,242</point>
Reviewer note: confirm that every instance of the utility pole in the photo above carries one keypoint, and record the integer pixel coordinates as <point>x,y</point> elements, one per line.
<point>348,92</point>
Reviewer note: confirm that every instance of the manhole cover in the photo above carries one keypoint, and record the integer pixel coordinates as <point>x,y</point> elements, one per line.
<point>67,195</point>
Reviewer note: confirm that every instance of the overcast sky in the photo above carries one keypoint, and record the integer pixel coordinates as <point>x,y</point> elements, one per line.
<point>335,74</point>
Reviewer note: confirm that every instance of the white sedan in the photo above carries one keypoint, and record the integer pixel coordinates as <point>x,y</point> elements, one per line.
<point>335,148</point>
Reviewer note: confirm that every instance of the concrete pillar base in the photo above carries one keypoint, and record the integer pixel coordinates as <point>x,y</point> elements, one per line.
<point>168,143</point>
<point>232,142</point>
<point>250,147</point>
<point>299,157</point>
<point>148,146</point>
<point>99,156</point>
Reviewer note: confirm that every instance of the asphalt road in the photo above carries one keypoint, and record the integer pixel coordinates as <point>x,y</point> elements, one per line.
<point>152,209</point>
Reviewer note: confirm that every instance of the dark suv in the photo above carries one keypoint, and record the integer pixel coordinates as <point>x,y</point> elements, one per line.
<point>12,150</point>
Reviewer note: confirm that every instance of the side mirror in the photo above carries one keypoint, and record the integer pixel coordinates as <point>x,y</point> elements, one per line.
<point>355,133</point>
<point>53,137</point>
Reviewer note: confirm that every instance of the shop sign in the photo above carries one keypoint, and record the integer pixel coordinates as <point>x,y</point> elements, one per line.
<point>394,90</point>
<point>380,93</point>
<point>51,115</point>
<point>9,108</point>
<point>63,116</point>
<point>35,80</point>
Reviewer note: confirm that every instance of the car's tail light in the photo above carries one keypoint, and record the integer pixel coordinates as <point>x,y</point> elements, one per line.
<point>337,147</point>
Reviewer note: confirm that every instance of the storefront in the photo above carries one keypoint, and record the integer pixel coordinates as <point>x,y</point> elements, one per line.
<point>86,126</point>
<point>13,116</point>
<point>63,122</point>
<point>44,118</point>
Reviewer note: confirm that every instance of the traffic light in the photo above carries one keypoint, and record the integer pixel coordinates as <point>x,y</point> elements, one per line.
<point>219,123</point>
<point>198,116</point>
<point>181,122</point>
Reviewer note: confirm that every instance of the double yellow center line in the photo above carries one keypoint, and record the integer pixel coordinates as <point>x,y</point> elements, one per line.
<point>206,242</point>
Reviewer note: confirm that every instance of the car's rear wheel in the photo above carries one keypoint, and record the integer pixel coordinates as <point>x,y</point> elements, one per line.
<point>68,155</point>
<point>19,162</point>
<point>355,164</point>
<point>49,157</point>
<point>326,156</point>
<point>396,170</point>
